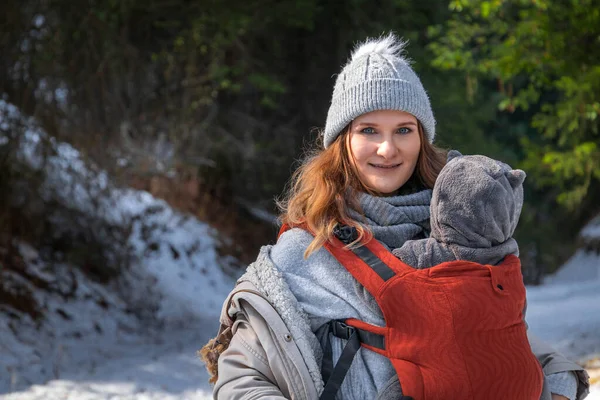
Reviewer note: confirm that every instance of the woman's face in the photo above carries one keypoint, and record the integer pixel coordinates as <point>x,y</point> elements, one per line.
<point>385,145</point>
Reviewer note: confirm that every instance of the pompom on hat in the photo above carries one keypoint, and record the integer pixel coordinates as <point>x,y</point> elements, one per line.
<point>377,77</point>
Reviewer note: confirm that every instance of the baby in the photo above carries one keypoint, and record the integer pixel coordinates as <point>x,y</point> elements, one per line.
<point>475,209</point>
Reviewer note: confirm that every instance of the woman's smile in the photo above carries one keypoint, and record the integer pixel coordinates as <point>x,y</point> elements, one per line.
<point>385,166</point>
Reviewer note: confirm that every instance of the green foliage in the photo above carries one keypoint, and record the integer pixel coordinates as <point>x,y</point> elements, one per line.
<point>543,56</point>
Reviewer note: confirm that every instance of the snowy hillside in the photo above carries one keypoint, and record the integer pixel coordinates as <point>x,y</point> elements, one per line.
<point>565,311</point>
<point>95,333</point>
<point>169,297</point>
<point>571,298</point>
<point>584,265</point>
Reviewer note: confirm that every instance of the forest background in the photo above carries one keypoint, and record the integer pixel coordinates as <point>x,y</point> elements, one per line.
<point>210,104</point>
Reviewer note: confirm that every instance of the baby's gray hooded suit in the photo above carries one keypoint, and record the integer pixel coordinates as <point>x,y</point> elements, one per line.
<point>475,208</point>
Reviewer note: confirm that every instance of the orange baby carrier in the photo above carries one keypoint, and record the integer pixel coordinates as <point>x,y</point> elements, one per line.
<point>453,331</point>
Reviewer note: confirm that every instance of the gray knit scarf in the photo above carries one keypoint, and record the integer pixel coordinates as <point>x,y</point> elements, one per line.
<point>395,219</point>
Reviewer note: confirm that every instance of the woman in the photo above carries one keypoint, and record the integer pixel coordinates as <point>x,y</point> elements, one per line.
<point>374,174</point>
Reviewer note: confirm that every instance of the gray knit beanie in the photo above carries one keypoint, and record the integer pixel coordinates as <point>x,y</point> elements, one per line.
<point>377,77</point>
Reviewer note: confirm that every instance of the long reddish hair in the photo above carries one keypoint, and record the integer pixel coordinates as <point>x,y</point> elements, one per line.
<point>326,186</point>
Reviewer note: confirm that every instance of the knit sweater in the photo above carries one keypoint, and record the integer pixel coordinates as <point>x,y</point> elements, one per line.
<point>326,291</point>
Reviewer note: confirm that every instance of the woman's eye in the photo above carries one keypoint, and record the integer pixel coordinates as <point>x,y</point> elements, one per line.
<point>368,130</point>
<point>404,131</point>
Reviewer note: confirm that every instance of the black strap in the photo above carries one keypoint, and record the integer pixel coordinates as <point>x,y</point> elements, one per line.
<point>334,377</point>
<point>338,374</point>
<point>374,262</point>
<point>371,339</point>
<point>347,234</point>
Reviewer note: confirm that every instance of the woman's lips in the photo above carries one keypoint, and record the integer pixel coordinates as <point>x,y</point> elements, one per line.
<point>383,166</point>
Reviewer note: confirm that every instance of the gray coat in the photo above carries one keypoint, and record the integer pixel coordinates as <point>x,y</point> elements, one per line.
<point>273,352</point>
<point>263,359</point>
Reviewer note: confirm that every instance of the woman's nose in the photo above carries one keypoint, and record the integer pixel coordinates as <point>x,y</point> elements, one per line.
<point>386,149</point>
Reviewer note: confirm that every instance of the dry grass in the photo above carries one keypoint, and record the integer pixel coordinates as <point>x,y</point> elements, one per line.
<point>14,294</point>
<point>592,366</point>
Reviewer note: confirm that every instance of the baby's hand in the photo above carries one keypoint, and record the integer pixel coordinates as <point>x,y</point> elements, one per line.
<point>558,397</point>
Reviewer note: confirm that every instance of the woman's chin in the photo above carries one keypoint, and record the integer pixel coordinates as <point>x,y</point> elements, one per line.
<point>386,188</point>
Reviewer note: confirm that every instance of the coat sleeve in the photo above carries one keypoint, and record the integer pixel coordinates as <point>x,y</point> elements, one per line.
<point>244,372</point>
<point>554,362</point>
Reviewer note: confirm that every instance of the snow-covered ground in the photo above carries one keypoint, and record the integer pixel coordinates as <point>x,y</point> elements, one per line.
<point>93,346</point>
<point>162,368</point>
<point>148,368</point>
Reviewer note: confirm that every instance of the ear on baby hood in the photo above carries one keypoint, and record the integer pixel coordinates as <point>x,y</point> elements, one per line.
<point>516,177</point>
<point>452,154</point>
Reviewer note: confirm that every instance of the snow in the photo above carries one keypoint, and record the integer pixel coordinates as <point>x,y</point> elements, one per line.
<point>94,344</point>
<point>566,315</point>
<point>583,266</point>
<point>159,370</point>
<point>592,229</point>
